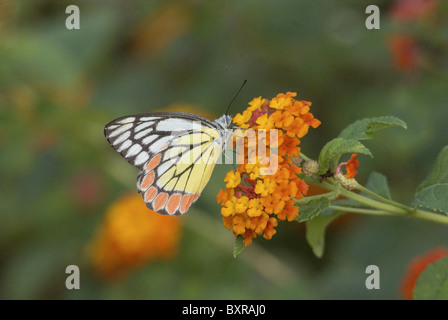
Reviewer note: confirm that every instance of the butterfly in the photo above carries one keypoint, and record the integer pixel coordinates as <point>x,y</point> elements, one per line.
<point>175,153</point>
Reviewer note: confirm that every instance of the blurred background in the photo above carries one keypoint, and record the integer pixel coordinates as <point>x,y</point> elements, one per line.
<point>67,198</point>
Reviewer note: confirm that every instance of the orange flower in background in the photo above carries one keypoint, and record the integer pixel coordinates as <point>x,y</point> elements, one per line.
<point>190,108</point>
<point>131,235</point>
<point>257,196</point>
<point>416,267</point>
<point>162,27</point>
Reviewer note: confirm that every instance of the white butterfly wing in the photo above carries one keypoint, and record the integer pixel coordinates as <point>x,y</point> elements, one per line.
<point>175,152</point>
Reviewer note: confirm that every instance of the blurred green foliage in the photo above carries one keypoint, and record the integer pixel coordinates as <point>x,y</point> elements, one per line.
<point>58,175</point>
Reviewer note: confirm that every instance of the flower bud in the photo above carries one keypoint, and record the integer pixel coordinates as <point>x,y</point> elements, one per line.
<point>310,167</point>
<point>347,183</point>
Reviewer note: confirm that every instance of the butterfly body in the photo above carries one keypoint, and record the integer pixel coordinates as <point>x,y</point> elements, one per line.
<point>175,153</point>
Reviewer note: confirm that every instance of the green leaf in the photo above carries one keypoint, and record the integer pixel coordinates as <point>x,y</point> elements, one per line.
<point>238,246</point>
<point>432,192</point>
<point>315,232</point>
<point>363,129</point>
<point>312,209</point>
<point>439,172</point>
<point>377,183</point>
<point>433,197</point>
<point>333,150</point>
<point>432,283</point>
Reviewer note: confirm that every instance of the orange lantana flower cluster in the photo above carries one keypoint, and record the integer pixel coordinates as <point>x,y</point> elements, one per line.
<point>257,196</point>
<point>130,236</point>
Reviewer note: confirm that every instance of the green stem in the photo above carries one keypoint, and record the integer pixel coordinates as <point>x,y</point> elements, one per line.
<point>257,257</point>
<point>387,207</point>
<point>366,201</point>
<point>429,216</point>
<point>330,195</point>
<point>359,210</point>
<point>304,157</point>
<point>377,196</point>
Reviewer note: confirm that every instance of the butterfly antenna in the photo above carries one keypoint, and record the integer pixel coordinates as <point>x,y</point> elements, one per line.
<point>227,84</point>
<point>236,95</point>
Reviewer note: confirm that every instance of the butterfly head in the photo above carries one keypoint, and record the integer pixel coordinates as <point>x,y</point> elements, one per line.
<point>224,121</point>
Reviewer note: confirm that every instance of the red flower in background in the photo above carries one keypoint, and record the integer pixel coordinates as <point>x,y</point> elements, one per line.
<point>416,267</point>
<point>86,188</point>
<point>404,52</point>
<point>409,50</point>
<point>412,10</point>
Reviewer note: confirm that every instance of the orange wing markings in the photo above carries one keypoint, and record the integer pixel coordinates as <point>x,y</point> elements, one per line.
<point>156,197</point>
<point>160,201</point>
<point>187,201</point>
<point>147,180</point>
<point>154,162</point>
<point>173,203</point>
<point>196,196</point>
<point>150,194</point>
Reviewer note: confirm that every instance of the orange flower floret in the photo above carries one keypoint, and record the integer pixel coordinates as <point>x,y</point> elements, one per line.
<point>297,128</point>
<point>242,119</point>
<point>256,103</point>
<point>289,212</point>
<point>225,194</point>
<point>351,166</point>
<point>254,208</point>
<point>233,179</point>
<point>282,175</point>
<point>265,122</point>
<point>289,147</point>
<point>282,119</point>
<point>273,203</point>
<point>269,231</point>
<point>258,194</point>
<point>265,187</point>
<point>286,190</point>
<point>302,188</point>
